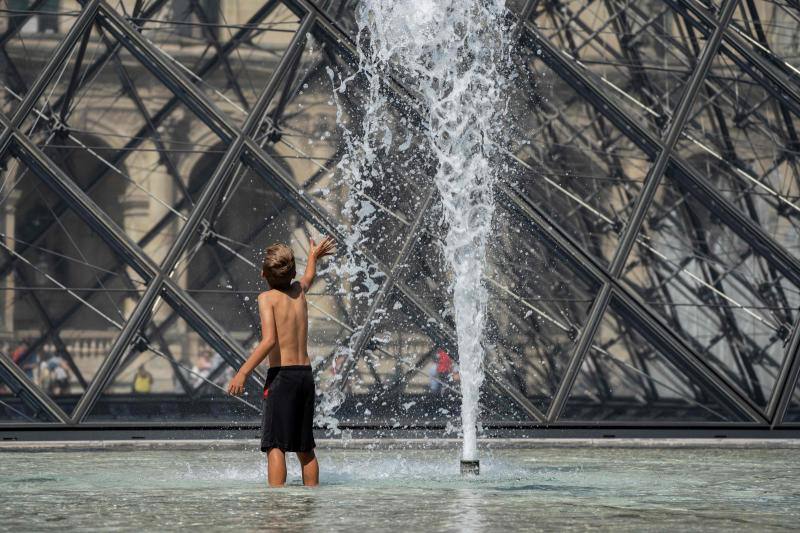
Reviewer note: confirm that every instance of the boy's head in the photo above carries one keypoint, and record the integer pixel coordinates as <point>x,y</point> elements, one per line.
<point>278,267</point>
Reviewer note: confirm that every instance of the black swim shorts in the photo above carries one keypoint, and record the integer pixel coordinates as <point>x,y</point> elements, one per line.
<point>288,417</point>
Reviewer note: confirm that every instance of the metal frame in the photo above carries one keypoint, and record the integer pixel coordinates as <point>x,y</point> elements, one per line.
<point>642,204</point>
<point>244,148</point>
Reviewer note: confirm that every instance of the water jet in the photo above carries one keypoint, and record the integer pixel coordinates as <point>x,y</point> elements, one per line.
<point>452,55</point>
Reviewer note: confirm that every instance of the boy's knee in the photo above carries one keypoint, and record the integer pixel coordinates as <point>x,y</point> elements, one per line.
<point>306,457</point>
<point>275,453</point>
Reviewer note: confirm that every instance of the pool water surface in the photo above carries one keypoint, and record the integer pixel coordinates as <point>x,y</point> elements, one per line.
<point>643,489</point>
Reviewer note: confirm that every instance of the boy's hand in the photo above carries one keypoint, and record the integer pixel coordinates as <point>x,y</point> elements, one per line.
<point>315,251</point>
<point>236,386</point>
<point>326,247</point>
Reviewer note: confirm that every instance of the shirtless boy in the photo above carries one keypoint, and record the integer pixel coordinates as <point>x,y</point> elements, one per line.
<point>286,424</point>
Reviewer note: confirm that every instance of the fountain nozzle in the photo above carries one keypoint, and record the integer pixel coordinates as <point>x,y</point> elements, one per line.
<point>470,467</point>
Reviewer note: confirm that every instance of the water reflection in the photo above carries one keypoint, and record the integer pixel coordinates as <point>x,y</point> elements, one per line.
<point>297,508</point>
<point>466,510</point>
<point>404,490</point>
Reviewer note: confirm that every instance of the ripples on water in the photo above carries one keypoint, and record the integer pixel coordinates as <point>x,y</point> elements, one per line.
<point>546,489</point>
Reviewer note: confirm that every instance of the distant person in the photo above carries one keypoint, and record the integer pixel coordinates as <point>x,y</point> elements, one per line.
<point>19,352</point>
<point>23,360</point>
<point>42,376</point>
<point>142,381</point>
<point>54,375</point>
<point>287,422</point>
<point>441,371</point>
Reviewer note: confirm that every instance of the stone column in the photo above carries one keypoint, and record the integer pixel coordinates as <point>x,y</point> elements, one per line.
<point>8,223</point>
<point>135,209</point>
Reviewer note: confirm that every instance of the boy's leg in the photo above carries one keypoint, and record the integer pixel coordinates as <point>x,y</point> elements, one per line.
<point>308,462</point>
<point>276,467</point>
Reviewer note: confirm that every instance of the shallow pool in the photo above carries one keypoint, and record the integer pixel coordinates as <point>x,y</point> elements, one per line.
<point>409,490</point>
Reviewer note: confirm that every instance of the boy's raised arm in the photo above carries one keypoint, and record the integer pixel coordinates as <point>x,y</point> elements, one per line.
<point>269,337</point>
<point>315,251</point>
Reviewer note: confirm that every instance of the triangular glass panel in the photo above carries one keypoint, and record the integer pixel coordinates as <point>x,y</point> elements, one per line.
<point>18,405</point>
<point>307,136</point>
<point>175,374</point>
<point>627,378</point>
<point>575,165</point>
<point>741,141</point>
<point>538,302</point>
<point>29,44</point>
<point>719,292</point>
<point>402,378</point>
<point>569,163</point>
<point>124,138</point>
<point>760,27</point>
<point>229,50</point>
<point>792,414</point>
<point>407,376</point>
<point>627,63</point>
<point>66,292</point>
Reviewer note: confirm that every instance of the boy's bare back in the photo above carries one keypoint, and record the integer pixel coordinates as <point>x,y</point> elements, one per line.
<point>283,311</point>
<point>288,311</point>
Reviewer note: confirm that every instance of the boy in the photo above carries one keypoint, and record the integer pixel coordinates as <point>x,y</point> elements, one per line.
<point>288,416</point>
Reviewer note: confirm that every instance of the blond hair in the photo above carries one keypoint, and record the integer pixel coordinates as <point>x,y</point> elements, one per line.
<point>278,268</point>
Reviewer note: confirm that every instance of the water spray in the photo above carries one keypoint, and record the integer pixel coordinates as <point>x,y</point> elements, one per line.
<point>453,55</point>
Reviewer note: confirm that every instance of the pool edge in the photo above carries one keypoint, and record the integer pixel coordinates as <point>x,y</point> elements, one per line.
<point>382,443</point>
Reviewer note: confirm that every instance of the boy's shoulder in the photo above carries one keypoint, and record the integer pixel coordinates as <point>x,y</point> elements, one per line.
<point>267,294</point>
<point>271,294</point>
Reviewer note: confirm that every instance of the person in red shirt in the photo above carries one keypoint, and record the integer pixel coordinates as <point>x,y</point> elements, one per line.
<point>442,371</point>
<point>444,366</point>
<point>21,352</point>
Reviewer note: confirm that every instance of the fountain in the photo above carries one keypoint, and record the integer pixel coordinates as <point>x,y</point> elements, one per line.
<point>452,54</point>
